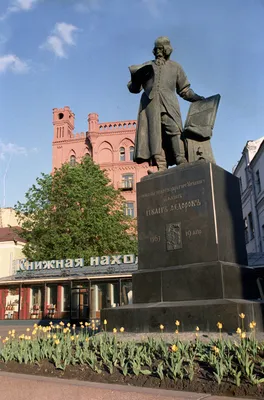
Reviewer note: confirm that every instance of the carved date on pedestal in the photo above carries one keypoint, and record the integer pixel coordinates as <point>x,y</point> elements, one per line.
<point>173,236</point>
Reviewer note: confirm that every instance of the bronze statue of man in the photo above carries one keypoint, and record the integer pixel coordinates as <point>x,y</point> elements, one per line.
<point>159,129</point>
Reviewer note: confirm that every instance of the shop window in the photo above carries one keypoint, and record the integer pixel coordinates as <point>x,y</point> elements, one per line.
<point>122,154</point>
<point>129,209</point>
<point>52,295</point>
<point>12,303</point>
<point>126,292</point>
<point>66,298</point>
<point>36,301</point>
<point>131,153</point>
<point>103,295</point>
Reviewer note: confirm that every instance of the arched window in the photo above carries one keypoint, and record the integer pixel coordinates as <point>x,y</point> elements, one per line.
<point>122,154</point>
<point>131,153</point>
<point>72,160</point>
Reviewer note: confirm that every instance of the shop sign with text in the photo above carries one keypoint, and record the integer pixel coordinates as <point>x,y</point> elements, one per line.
<point>25,265</point>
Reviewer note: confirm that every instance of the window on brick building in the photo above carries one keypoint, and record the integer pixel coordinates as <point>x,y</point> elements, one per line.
<point>127,181</point>
<point>131,153</point>
<point>122,154</point>
<point>72,160</point>
<point>129,209</point>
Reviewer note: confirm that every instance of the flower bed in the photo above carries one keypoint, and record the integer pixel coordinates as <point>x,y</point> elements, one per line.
<point>219,366</point>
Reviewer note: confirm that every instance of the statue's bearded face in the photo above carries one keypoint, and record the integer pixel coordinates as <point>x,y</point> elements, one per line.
<point>159,51</point>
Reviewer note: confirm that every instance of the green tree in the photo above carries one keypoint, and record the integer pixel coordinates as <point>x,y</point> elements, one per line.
<point>74,213</point>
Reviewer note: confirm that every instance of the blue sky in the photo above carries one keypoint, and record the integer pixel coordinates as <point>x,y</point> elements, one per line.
<point>77,52</point>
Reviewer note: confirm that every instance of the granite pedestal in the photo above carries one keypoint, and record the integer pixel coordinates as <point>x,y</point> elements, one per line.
<point>192,260</point>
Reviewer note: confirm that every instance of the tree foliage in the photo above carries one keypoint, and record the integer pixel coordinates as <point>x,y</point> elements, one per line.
<point>74,213</point>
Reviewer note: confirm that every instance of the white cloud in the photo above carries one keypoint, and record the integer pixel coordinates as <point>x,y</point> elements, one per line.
<point>17,6</point>
<point>65,31</point>
<point>61,37</point>
<point>154,6</point>
<point>24,4</point>
<point>13,63</point>
<point>10,149</point>
<point>85,6</point>
<point>55,44</point>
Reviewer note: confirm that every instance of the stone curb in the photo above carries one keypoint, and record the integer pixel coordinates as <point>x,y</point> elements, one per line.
<point>93,387</point>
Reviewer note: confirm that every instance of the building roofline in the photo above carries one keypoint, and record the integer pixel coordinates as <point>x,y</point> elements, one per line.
<point>254,159</point>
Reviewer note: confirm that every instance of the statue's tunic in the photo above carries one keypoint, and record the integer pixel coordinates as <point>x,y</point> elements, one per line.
<point>159,83</point>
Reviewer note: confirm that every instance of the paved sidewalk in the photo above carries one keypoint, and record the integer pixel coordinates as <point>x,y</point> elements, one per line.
<point>24,387</point>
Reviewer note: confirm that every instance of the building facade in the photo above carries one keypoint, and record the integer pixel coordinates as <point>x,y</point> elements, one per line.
<point>250,171</point>
<point>110,144</point>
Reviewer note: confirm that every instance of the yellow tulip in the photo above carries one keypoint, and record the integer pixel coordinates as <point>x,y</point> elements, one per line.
<point>72,338</point>
<point>27,329</point>
<point>54,336</point>
<point>114,330</point>
<point>61,323</point>
<point>48,336</point>
<point>219,325</point>
<point>176,331</point>
<point>243,335</point>
<point>57,341</point>
<point>105,322</point>
<point>161,327</point>
<point>197,328</point>
<point>13,331</point>
<point>242,316</point>
<point>82,327</point>
<point>238,331</point>
<point>87,339</point>
<point>216,349</point>
<point>177,323</point>
<point>174,348</point>
<point>122,329</point>
<point>68,325</point>
<point>9,332</point>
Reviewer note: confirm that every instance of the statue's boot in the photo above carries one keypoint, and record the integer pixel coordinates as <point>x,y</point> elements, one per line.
<point>161,164</point>
<point>180,160</point>
<point>178,149</point>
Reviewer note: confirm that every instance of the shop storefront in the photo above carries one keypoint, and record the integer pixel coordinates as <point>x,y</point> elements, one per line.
<point>66,289</point>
